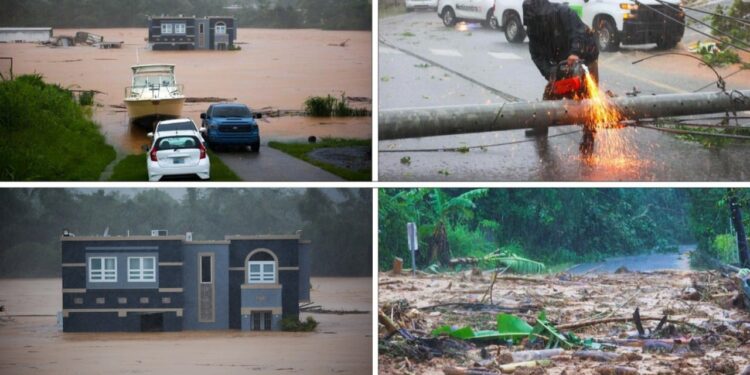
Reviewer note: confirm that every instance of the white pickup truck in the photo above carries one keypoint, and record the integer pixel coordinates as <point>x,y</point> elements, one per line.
<point>615,21</point>
<point>453,11</point>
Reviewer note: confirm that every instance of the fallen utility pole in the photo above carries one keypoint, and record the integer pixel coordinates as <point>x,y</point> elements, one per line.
<point>449,120</point>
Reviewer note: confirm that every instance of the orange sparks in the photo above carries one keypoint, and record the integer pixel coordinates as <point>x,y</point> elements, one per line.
<point>613,148</point>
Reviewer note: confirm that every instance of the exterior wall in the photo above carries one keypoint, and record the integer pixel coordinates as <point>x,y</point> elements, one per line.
<point>118,308</point>
<point>231,31</point>
<point>190,280</point>
<point>287,253</point>
<point>261,297</point>
<point>10,34</point>
<point>305,266</point>
<point>171,41</point>
<point>206,33</point>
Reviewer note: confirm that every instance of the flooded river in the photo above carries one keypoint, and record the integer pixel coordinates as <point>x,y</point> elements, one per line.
<point>342,344</point>
<point>275,68</point>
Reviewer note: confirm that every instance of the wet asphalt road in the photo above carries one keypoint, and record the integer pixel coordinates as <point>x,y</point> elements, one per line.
<point>272,165</point>
<point>639,263</point>
<point>496,71</point>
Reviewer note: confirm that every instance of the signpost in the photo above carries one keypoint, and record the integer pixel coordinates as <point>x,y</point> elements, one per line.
<point>411,233</point>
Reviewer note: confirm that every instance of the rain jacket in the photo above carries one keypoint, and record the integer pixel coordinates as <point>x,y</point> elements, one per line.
<point>555,32</point>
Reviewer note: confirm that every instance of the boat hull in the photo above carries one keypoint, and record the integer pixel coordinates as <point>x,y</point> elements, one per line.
<point>147,112</point>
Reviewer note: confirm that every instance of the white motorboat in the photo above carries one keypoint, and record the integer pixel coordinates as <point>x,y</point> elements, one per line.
<point>154,94</point>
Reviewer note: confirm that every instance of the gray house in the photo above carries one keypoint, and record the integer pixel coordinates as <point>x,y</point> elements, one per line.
<point>172,283</point>
<point>187,33</point>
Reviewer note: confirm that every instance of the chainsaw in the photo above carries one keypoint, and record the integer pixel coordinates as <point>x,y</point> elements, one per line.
<point>568,81</point>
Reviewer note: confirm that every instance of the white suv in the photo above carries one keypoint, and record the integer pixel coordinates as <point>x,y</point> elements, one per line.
<point>453,11</point>
<point>615,21</point>
<point>178,150</point>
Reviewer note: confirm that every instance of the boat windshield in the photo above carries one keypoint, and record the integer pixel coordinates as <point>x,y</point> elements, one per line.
<point>153,80</point>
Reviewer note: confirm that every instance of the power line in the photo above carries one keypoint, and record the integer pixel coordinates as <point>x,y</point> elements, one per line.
<point>746,23</point>
<point>705,24</point>
<point>687,26</point>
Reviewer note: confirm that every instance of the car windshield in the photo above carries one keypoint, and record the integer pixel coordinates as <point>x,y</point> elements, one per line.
<point>231,111</point>
<point>177,142</point>
<point>185,125</point>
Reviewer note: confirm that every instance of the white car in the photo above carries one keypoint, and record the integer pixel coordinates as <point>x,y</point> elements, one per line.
<point>614,21</point>
<point>453,11</point>
<point>420,4</point>
<point>177,151</point>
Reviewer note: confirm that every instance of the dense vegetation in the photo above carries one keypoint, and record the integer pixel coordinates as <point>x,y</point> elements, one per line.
<point>338,221</point>
<point>47,134</point>
<point>554,226</point>
<point>711,223</point>
<point>324,14</point>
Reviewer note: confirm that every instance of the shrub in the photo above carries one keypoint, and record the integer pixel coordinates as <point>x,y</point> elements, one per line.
<point>293,324</point>
<point>328,106</point>
<point>47,135</point>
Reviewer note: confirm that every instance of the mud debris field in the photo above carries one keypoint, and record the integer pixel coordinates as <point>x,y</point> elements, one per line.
<point>706,331</point>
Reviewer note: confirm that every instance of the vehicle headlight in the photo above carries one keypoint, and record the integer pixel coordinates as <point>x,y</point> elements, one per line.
<point>629,6</point>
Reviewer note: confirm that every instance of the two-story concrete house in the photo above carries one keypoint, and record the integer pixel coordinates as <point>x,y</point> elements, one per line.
<point>172,283</point>
<point>171,33</point>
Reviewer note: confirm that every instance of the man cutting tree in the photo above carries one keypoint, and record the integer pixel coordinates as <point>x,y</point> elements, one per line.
<point>559,42</point>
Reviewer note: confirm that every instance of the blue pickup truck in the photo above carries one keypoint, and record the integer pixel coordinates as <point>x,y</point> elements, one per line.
<point>231,124</point>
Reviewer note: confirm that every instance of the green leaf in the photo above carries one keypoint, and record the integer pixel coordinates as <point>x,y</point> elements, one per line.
<point>507,323</point>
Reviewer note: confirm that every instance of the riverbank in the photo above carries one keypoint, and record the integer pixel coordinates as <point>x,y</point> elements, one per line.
<point>47,134</point>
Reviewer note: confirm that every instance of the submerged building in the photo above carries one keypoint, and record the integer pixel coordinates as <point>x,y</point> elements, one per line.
<point>172,283</point>
<point>25,34</point>
<point>172,33</point>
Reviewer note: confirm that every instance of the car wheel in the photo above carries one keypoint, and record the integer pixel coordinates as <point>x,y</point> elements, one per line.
<point>607,38</point>
<point>666,42</point>
<point>492,21</point>
<point>514,31</point>
<point>255,147</point>
<point>449,18</point>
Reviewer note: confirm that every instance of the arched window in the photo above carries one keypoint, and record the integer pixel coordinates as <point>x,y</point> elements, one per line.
<point>261,267</point>
<point>221,28</point>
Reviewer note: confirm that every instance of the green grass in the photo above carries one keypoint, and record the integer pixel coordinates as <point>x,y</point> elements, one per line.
<point>300,151</point>
<point>385,11</point>
<point>47,135</point>
<point>133,168</point>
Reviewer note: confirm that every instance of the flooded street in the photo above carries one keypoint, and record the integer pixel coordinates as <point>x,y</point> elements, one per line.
<point>276,69</point>
<point>33,344</point>
<point>679,261</point>
<point>425,64</point>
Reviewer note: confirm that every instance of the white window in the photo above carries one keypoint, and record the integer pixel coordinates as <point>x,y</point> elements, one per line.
<point>179,28</point>
<point>221,28</point>
<point>103,269</point>
<point>166,28</point>
<point>142,269</point>
<point>261,272</point>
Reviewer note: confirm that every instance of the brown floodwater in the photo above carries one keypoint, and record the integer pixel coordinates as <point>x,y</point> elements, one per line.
<point>275,68</point>
<point>342,344</point>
